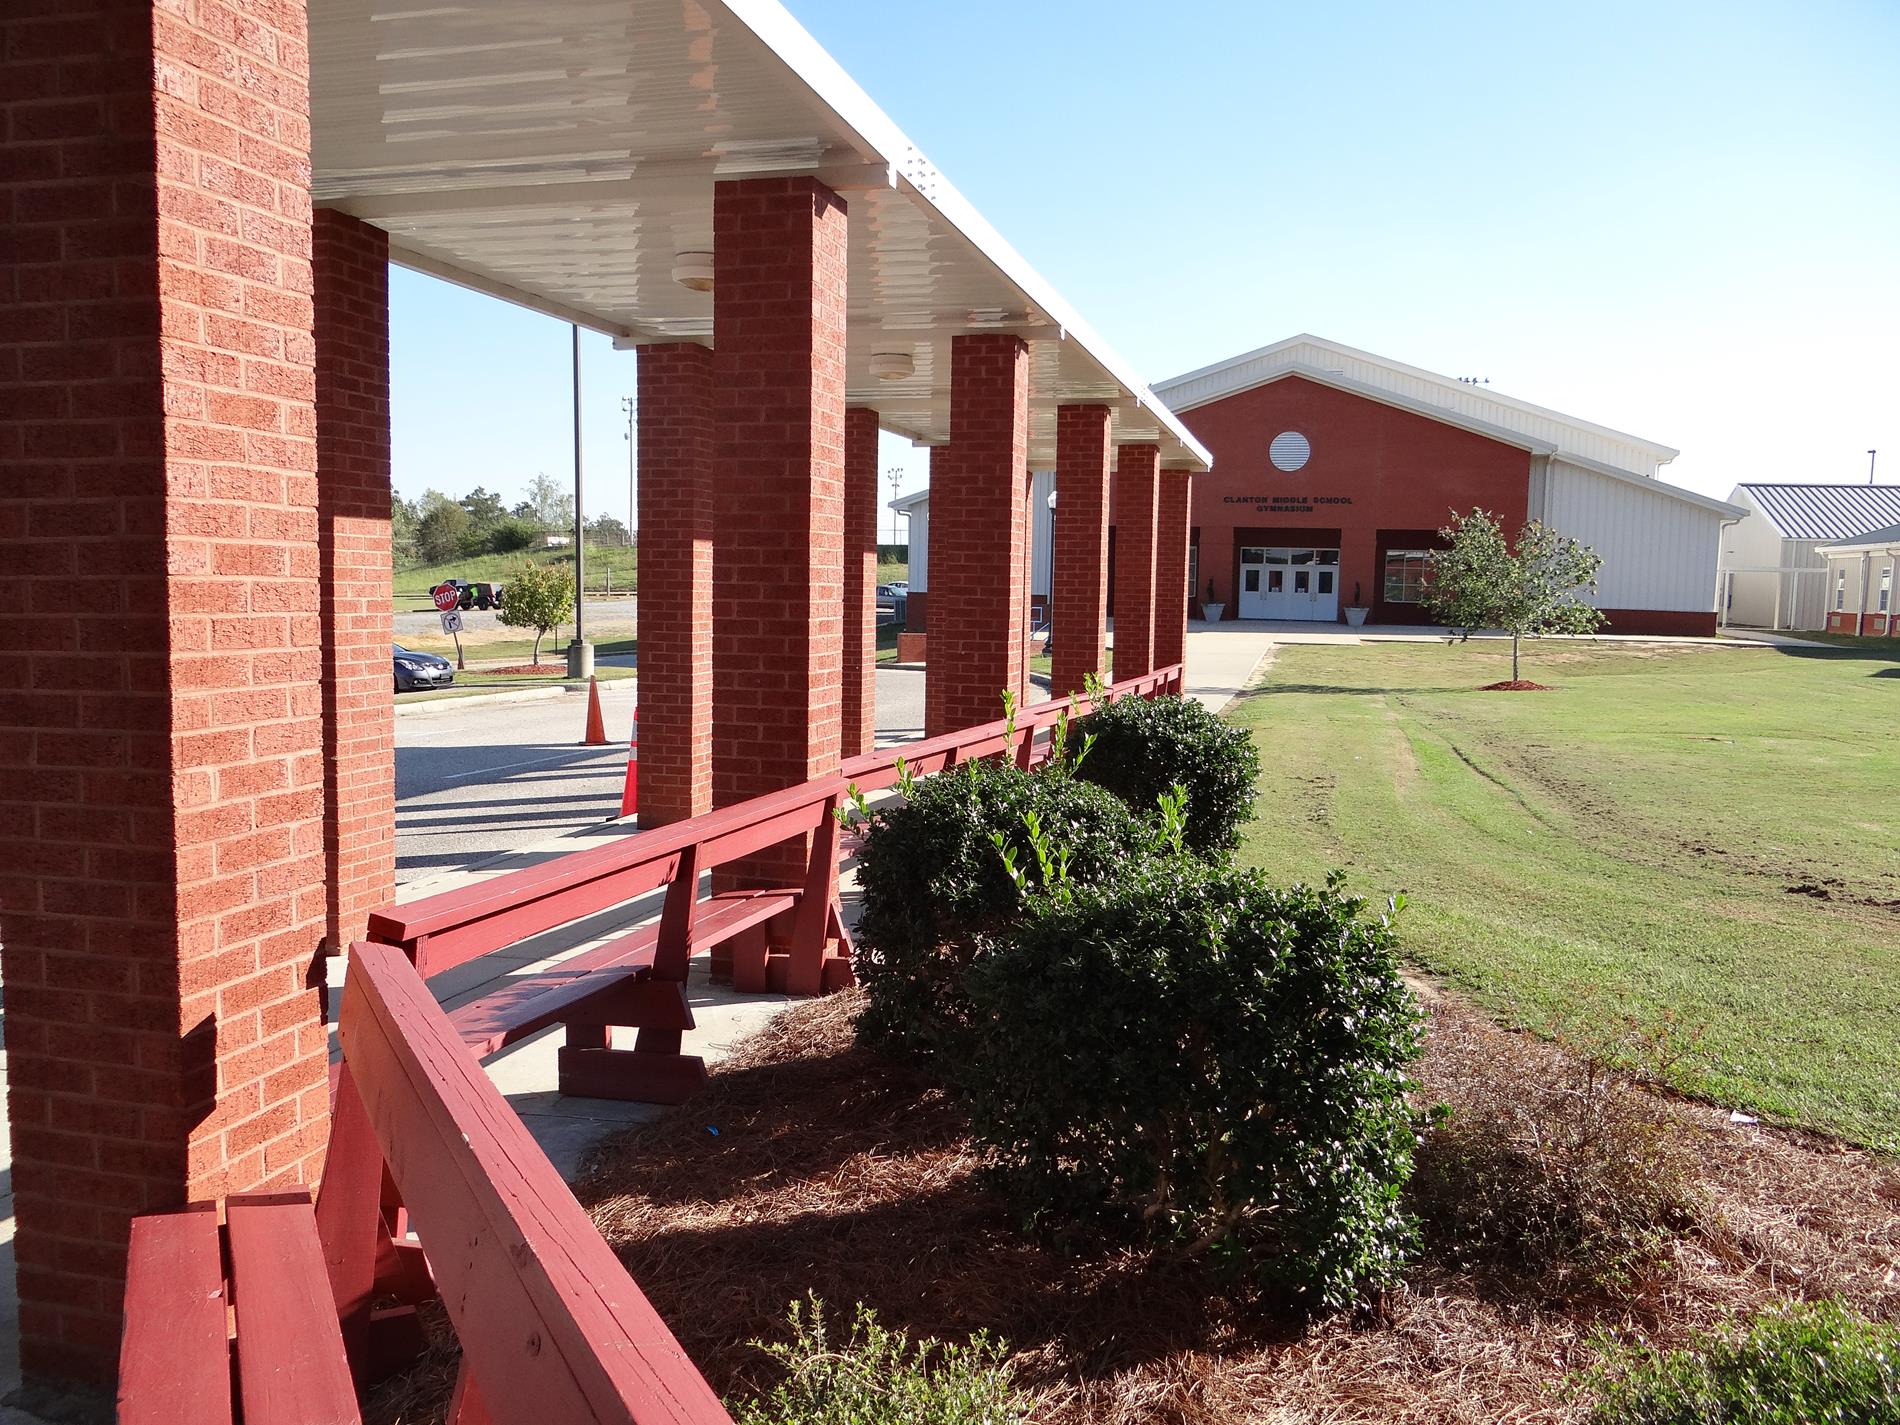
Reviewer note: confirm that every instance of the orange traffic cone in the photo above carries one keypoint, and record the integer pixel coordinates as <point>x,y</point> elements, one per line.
<point>596,724</point>
<point>630,791</point>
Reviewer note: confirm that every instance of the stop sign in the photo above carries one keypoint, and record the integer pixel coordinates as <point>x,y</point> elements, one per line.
<point>446,596</point>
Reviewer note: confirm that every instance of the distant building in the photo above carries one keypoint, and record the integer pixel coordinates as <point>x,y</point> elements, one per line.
<point>1862,596</point>
<point>1774,572</point>
<point>1334,470</point>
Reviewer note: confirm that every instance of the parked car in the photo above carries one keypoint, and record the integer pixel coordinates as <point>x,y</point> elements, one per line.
<point>896,586</point>
<point>420,670</point>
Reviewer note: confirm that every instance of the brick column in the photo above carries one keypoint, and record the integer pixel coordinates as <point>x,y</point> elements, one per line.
<point>859,715</point>
<point>1171,568</point>
<point>1136,507</point>
<point>162,895</point>
<point>979,601</point>
<point>778,504</point>
<point>350,272</point>
<point>1080,582</point>
<point>675,581</point>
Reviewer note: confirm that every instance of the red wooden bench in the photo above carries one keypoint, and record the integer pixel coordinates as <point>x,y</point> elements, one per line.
<point>271,1314</point>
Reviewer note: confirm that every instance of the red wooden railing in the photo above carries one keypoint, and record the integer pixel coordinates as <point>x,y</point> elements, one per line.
<point>445,930</point>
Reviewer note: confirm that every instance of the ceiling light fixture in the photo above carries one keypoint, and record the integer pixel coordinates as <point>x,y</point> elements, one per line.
<point>892,365</point>
<point>694,271</point>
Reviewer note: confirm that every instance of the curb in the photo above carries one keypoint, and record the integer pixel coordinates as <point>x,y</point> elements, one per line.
<point>505,695</point>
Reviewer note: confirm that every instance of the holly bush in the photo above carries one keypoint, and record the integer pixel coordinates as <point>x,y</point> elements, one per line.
<point>1145,746</point>
<point>1189,1054</point>
<point>936,885</point>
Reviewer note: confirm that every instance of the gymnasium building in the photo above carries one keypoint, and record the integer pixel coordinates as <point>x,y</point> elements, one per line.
<point>1334,469</point>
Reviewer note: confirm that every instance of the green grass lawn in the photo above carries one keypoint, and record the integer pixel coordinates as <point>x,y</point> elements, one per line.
<point>474,682</point>
<point>1888,646</point>
<point>607,563</point>
<point>1706,834</point>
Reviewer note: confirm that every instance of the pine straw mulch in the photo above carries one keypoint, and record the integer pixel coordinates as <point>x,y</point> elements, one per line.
<point>812,1164</point>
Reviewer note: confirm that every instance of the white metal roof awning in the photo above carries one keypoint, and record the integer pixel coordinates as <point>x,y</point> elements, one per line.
<point>561,153</point>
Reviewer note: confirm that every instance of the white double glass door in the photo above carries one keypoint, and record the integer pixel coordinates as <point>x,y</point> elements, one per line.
<point>1289,584</point>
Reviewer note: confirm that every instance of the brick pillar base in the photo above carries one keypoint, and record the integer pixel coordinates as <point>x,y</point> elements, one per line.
<point>162,893</point>
<point>1171,568</point>
<point>1081,547</point>
<point>979,492</point>
<point>778,505</point>
<point>1136,507</point>
<point>350,277</point>
<point>858,718</point>
<point>676,562</point>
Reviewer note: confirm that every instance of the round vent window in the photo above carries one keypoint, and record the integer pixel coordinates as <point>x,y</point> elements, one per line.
<point>1289,451</point>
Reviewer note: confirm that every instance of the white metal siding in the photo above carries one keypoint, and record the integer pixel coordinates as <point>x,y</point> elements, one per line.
<point>1658,552</point>
<point>920,548</point>
<point>1040,484</point>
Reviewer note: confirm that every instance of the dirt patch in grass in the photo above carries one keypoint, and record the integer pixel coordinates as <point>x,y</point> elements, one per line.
<point>1515,685</point>
<point>814,1165</point>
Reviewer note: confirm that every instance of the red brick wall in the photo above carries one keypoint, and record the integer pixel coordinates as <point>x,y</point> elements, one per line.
<point>676,563</point>
<point>1675,623</point>
<point>858,715</point>
<point>1400,471</point>
<point>161,782</point>
<point>979,492</point>
<point>1081,547</point>
<point>350,278</point>
<point>1136,497</point>
<point>1171,568</point>
<point>778,411</point>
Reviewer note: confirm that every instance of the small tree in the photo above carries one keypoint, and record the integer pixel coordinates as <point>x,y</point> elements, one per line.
<point>540,597</point>
<point>1530,587</point>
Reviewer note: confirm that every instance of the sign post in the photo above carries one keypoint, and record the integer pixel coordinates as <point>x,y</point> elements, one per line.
<point>447,597</point>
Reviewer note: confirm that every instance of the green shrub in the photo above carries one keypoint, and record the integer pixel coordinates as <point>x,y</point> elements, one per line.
<point>1194,1055</point>
<point>881,1377</point>
<point>1797,1365</point>
<point>1144,746</point>
<point>934,885</point>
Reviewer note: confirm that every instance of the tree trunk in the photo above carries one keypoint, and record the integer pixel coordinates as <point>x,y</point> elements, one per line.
<point>1514,673</point>
<point>537,646</point>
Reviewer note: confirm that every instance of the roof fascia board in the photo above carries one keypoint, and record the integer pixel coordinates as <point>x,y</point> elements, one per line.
<point>837,93</point>
<point>1664,453</point>
<point>401,256</point>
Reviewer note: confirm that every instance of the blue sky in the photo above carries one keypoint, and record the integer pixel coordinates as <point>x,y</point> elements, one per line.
<point>1681,220</point>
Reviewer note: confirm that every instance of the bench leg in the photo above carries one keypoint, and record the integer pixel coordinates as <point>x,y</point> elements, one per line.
<point>654,1070</point>
<point>465,1406</point>
<point>630,1075</point>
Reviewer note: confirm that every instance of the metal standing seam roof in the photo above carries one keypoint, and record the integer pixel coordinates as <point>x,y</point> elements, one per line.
<point>1885,538</point>
<point>1825,511</point>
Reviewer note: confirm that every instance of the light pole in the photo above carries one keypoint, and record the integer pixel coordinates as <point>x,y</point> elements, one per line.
<point>895,474</point>
<point>1050,642</point>
<point>1870,465</point>
<point>627,404</point>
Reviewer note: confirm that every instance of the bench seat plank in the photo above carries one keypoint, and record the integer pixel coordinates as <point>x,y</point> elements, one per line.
<point>528,1004</point>
<point>175,1356</point>
<point>292,1369</point>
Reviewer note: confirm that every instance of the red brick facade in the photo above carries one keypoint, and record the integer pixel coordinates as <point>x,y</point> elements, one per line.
<point>1378,477</point>
<point>778,503</point>
<point>676,571</point>
<point>979,600</point>
<point>1080,556</point>
<point>1171,568</point>
<point>858,714</point>
<point>161,761</point>
<point>350,272</point>
<point>1137,497</point>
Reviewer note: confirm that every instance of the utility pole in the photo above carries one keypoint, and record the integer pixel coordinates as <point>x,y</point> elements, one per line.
<point>580,655</point>
<point>1870,465</point>
<point>895,475</point>
<point>627,404</point>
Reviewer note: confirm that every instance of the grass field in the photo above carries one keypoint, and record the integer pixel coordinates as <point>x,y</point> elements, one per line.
<point>608,566</point>
<point>1696,843</point>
